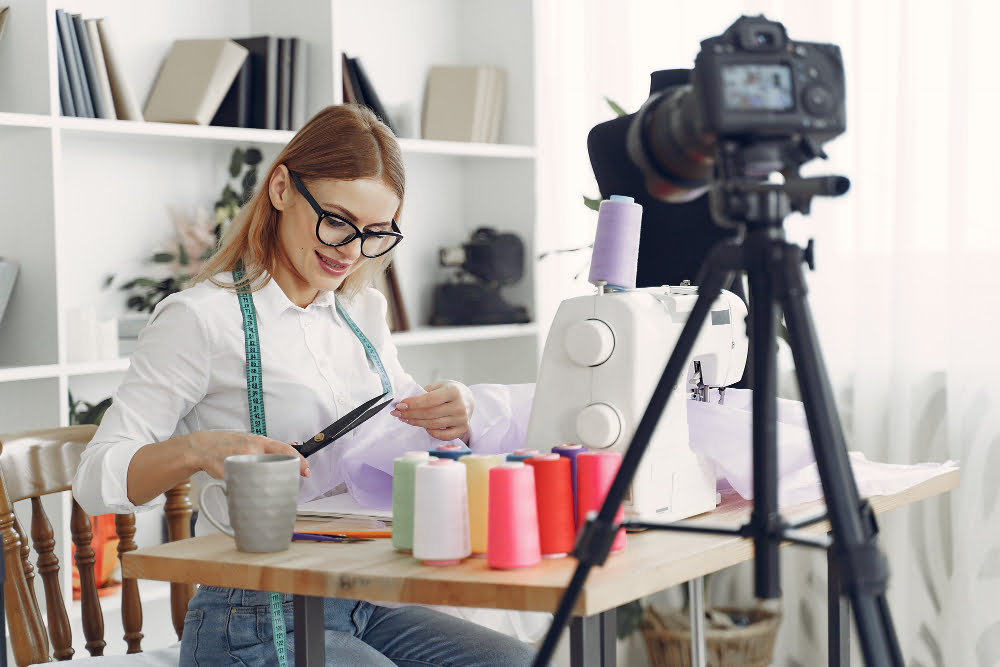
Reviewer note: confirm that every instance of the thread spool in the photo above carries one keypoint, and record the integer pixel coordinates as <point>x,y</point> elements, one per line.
<point>522,454</point>
<point>554,497</point>
<point>571,451</point>
<point>404,470</point>
<point>477,477</point>
<point>595,470</point>
<point>441,513</point>
<point>512,540</point>
<point>616,243</point>
<point>450,450</point>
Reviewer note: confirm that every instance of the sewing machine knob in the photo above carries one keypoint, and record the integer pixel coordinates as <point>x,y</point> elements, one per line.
<point>589,342</point>
<point>598,425</point>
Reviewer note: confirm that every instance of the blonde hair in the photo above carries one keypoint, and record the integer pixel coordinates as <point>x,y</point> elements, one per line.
<point>344,142</point>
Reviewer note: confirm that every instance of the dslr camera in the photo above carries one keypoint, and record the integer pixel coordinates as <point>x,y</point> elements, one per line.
<point>750,85</point>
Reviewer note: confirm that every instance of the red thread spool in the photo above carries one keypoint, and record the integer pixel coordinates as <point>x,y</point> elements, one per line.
<point>554,495</point>
<point>594,473</point>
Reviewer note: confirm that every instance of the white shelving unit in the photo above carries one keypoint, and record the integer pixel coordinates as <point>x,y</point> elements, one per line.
<point>82,198</point>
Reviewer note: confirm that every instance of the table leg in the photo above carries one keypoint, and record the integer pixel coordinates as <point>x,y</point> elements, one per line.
<point>838,635</point>
<point>310,642</point>
<point>593,640</point>
<point>696,596</point>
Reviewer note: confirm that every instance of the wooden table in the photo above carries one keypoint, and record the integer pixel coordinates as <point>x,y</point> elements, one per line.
<point>651,562</point>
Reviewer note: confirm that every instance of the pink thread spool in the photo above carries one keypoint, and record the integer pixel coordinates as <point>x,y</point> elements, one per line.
<point>441,513</point>
<point>595,470</point>
<point>512,540</point>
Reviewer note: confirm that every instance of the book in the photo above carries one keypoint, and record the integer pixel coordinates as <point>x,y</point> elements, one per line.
<point>352,94</point>
<point>339,505</point>
<point>234,111</point>
<point>461,102</point>
<point>369,95</point>
<point>263,88</point>
<point>193,80</point>
<point>4,13</point>
<point>88,100</point>
<point>495,99</point>
<point>66,32</point>
<point>8,276</point>
<point>395,315</point>
<point>300,82</point>
<point>284,121</point>
<point>126,105</point>
<point>90,68</point>
<point>102,84</point>
<point>66,106</point>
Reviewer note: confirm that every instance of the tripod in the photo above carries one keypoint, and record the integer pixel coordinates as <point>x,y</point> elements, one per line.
<point>774,271</point>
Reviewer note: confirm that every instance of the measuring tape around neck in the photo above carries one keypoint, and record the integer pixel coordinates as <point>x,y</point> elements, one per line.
<point>258,425</point>
<point>370,350</point>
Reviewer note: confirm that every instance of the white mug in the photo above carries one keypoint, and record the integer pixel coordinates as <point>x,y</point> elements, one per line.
<point>262,493</point>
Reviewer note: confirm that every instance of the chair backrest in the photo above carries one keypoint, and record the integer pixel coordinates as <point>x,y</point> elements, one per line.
<point>37,463</point>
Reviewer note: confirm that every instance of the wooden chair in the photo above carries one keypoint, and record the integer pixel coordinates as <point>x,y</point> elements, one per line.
<point>37,463</point>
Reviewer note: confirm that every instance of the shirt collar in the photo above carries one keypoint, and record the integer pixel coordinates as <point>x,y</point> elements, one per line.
<point>272,301</point>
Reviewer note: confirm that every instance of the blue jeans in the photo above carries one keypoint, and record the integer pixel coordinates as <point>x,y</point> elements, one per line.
<point>230,626</point>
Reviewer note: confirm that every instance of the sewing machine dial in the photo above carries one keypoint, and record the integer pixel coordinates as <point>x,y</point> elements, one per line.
<point>589,342</point>
<point>598,425</point>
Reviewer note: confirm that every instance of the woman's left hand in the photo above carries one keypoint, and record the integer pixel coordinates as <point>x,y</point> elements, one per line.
<point>444,411</point>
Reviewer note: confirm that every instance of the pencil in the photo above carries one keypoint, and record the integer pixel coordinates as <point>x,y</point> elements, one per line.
<point>350,533</point>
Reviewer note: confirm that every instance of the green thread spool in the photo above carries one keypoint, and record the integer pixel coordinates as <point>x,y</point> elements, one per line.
<point>404,475</point>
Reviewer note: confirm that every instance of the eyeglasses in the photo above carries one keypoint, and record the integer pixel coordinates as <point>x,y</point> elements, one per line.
<point>335,230</point>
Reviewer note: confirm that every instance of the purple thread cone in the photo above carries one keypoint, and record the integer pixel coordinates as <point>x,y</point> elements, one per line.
<point>616,243</point>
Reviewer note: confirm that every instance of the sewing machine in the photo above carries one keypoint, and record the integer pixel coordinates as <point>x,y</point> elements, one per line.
<point>602,360</point>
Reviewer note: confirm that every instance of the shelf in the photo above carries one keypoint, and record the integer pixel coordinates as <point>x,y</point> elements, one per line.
<point>24,120</point>
<point>129,128</point>
<point>415,337</point>
<point>437,335</point>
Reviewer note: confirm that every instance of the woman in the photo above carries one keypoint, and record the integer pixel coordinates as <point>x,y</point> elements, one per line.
<point>305,248</point>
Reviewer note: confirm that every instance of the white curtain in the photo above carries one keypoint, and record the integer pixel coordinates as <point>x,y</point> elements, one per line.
<point>904,289</point>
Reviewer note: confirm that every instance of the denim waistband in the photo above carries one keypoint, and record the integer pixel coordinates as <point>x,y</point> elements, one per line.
<point>242,597</point>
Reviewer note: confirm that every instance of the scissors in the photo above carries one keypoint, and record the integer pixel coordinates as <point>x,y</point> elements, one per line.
<point>313,537</point>
<point>345,424</point>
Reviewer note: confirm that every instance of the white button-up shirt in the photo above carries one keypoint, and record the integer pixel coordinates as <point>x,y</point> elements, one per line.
<point>188,374</point>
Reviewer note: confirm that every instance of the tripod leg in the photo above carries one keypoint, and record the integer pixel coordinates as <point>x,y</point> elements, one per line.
<point>863,567</point>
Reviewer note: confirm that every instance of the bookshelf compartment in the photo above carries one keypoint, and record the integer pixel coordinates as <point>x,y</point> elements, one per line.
<point>31,404</point>
<point>28,333</point>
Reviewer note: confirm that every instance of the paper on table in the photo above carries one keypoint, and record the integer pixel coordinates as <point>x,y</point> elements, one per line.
<point>341,504</point>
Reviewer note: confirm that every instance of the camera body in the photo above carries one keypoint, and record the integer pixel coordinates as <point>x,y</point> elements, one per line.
<point>750,86</point>
<point>753,81</point>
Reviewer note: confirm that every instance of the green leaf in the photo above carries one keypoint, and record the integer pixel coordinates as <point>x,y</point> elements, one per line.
<point>594,204</point>
<point>141,282</point>
<point>236,163</point>
<point>108,279</point>
<point>182,255</point>
<point>229,196</point>
<point>163,257</point>
<point>615,107</point>
<point>252,157</point>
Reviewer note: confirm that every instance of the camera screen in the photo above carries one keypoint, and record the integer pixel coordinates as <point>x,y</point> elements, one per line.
<point>757,87</point>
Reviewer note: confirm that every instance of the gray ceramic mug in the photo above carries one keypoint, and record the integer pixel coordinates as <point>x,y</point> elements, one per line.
<point>262,493</point>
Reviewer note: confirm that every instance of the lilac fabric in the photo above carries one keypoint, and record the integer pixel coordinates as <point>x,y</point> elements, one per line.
<point>363,459</point>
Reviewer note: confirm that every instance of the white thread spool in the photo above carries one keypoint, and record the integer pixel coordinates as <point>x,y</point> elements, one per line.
<point>441,513</point>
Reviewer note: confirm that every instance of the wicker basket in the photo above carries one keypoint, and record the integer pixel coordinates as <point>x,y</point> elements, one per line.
<point>668,644</point>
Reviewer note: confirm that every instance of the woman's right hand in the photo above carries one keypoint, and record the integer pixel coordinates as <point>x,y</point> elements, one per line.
<point>211,448</point>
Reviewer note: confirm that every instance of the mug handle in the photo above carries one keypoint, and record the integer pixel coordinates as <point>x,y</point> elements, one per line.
<point>224,528</point>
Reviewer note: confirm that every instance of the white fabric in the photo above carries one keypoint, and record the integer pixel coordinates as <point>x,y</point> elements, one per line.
<point>904,290</point>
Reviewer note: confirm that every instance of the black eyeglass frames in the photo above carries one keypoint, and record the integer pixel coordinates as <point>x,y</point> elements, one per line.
<point>335,230</point>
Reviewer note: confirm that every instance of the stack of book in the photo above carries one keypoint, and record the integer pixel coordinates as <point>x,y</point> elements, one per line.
<point>464,103</point>
<point>269,90</point>
<point>358,89</point>
<point>91,81</point>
